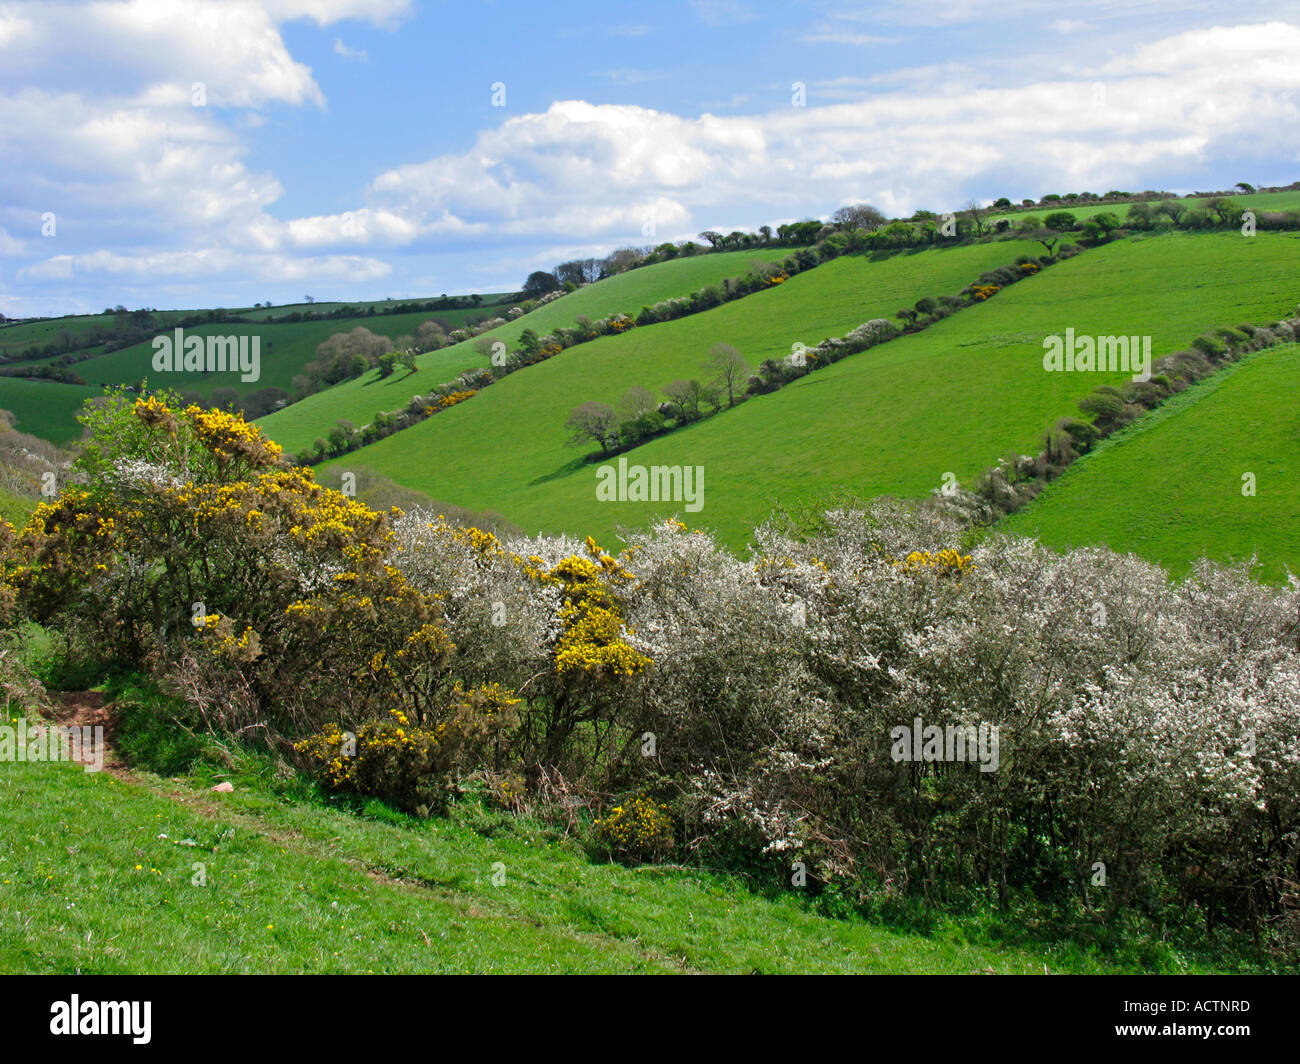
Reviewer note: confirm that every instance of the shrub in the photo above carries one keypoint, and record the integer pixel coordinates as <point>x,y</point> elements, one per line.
<point>637,829</point>
<point>391,759</point>
<point>1210,346</point>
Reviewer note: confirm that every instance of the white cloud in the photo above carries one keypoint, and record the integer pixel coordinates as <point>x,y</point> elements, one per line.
<point>326,12</point>
<point>582,168</point>
<point>352,55</point>
<point>206,264</point>
<point>155,189</point>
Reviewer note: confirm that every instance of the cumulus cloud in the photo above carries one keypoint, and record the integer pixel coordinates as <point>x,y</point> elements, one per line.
<point>1168,103</point>
<point>354,55</point>
<point>206,264</point>
<point>136,168</point>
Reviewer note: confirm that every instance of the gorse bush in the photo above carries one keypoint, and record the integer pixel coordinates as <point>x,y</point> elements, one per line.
<point>637,829</point>
<point>1126,741</point>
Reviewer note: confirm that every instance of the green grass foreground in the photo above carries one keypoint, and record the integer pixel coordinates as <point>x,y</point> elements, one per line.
<point>147,873</point>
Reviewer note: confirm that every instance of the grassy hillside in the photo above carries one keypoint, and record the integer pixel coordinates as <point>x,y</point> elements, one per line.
<point>1169,487</point>
<point>893,420</point>
<point>1262,201</point>
<point>455,318</point>
<point>15,509</point>
<point>167,877</point>
<point>296,427</point>
<point>45,408</point>
<point>286,348</point>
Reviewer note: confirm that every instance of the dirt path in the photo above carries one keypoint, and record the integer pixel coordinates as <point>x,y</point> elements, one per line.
<point>90,709</point>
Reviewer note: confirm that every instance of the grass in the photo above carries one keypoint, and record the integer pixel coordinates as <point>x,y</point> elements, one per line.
<point>298,426</point>
<point>523,468</point>
<point>1169,487</point>
<point>45,408</point>
<point>954,398</point>
<point>152,873</point>
<point>1261,201</point>
<point>285,349</point>
<point>16,509</point>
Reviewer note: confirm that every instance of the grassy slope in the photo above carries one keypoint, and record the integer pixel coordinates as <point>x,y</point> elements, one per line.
<point>890,421</point>
<point>1266,201</point>
<point>285,350</point>
<point>1170,486</point>
<point>456,317</point>
<point>15,509</point>
<point>519,469</point>
<point>96,877</point>
<point>299,425</point>
<point>45,408</point>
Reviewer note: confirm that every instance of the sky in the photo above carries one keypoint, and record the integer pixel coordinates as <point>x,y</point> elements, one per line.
<point>200,153</point>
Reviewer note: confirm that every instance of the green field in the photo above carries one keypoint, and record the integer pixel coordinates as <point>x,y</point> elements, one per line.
<point>286,348</point>
<point>893,420</point>
<point>297,426</point>
<point>1169,487</point>
<point>45,408</point>
<point>491,306</point>
<point>1262,201</point>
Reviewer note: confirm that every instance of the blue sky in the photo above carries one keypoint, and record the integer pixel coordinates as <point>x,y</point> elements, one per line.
<point>351,149</point>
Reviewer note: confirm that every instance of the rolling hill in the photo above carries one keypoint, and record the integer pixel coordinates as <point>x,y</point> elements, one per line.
<point>297,426</point>
<point>893,420</point>
<point>1169,487</point>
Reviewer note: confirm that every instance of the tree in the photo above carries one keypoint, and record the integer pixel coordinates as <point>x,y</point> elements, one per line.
<point>711,238</point>
<point>540,283</point>
<point>1221,209</point>
<point>1060,221</point>
<point>685,399</point>
<point>1173,210</point>
<point>429,336</point>
<point>730,370</point>
<point>1140,215</point>
<point>858,216</point>
<point>387,363</point>
<point>407,361</point>
<point>974,213</point>
<point>593,421</point>
<point>528,342</point>
<point>925,305</point>
<point>907,314</point>
<point>1002,203</point>
<point>1245,186</point>
<point>636,403</point>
